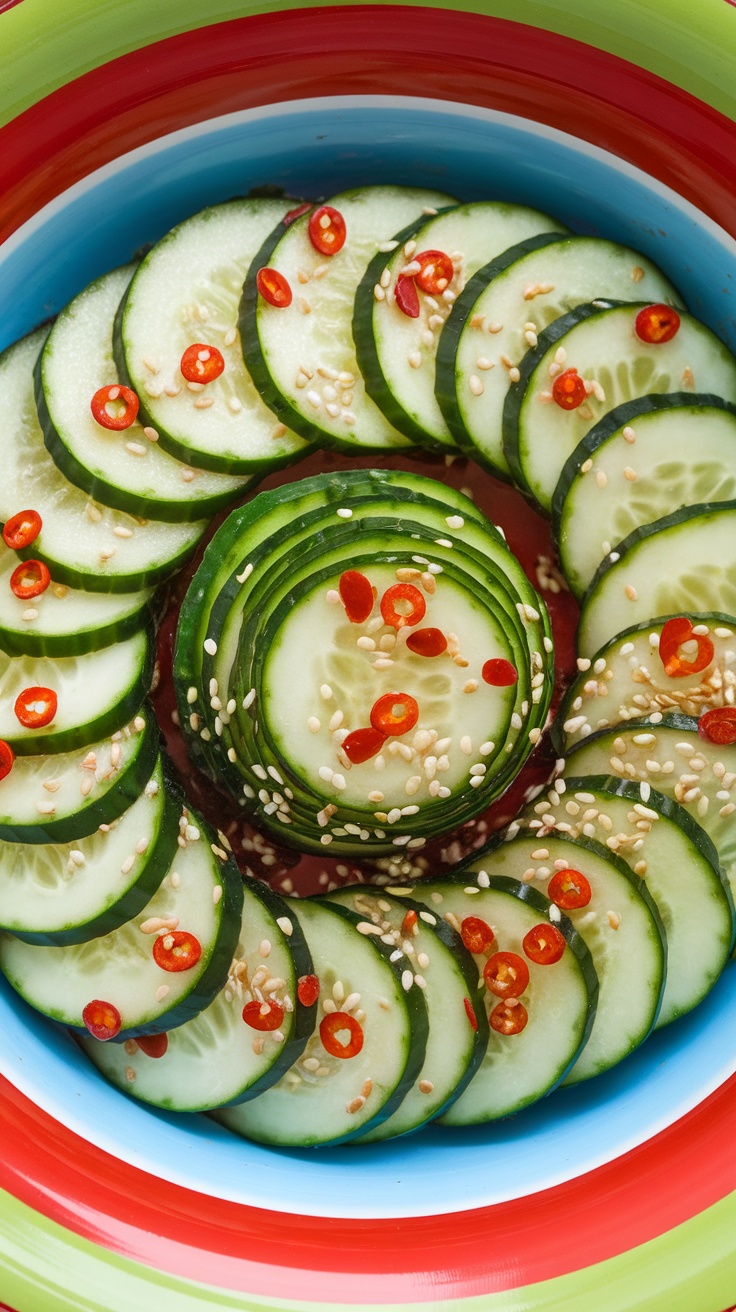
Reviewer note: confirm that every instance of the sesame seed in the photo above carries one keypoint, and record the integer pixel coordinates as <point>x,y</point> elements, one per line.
<point>631,592</point>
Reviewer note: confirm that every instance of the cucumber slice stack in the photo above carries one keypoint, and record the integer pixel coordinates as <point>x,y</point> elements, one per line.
<point>441,657</point>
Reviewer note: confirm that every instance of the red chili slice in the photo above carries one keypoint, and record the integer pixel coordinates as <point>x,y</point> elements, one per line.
<point>568,390</point>
<point>102,1019</point>
<point>327,231</point>
<point>394,714</point>
<point>357,596</point>
<point>36,707</point>
<point>411,601</point>
<point>718,725</point>
<point>307,990</point>
<point>201,363</point>
<point>544,944</point>
<point>569,889</point>
<point>505,1019</point>
<point>506,974</point>
<point>407,296</point>
<point>499,673</point>
<point>263,1016</point>
<point>154,1045</point>
<point>29,579</point>
<point>656,324</point>
<point>676,632</point>
<point>469,1012</point>
<point>22,529</point>
<point>7,759</point>
<point>177,950</point>
<point>335,1024</point>
<point>292,215</point>
<point>476,934</point>
<point>274,288</point>
<point>436,272</point>
<point>427,642</point>
<point>114,407</point>
<point>409,923</point>
<point>363,744</point>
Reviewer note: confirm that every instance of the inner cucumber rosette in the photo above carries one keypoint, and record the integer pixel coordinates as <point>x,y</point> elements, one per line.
<point>365,679</point>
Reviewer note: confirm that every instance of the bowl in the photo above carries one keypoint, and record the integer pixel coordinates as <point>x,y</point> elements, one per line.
<point>570,1204</point>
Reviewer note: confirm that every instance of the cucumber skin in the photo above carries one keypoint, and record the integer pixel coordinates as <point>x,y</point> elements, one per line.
<point>105,809</point>
<point>452,940</point>
<point>367,354</point>
<point>419,1028</point>
<point>517,391</point>
<point>671,810</point>
<point>109,493</point>
<point>259,372</point>
<point>527,893</point>
<point>26,643</point>
<point>179,450</point>
<point>68,740</point>
<point>536,899</point>
<point>215,973</point>
<point>133,900</point>
<point>445,385</point>
<point>681,516</point>
<point>305,1018</point>
<point>605,428</point>
<point>556,731</point>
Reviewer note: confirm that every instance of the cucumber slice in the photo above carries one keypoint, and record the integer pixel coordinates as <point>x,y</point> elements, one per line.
<point>513,298</point>
<point>65,621</point>
<point>640,462</point>
<point>396,353</point>
<point>325,1098</point>
<point>97,694</point>
<point>599,341</point>
<point>69,893</point>
<point>627,678</point>
<point>685,562</point>
<point>257,595</point>
<point>670,756</point>
<point>560,1000</point>
<point>433,949</point>
<point>83,544</point>
<point>65,797</point>
<point>205,900</point>
<point>126,470</point>
<point>620,925</point>
<point>302,357</point>
<point>677,860</point>
<point>187,290</point>
<point>215,1060</point>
